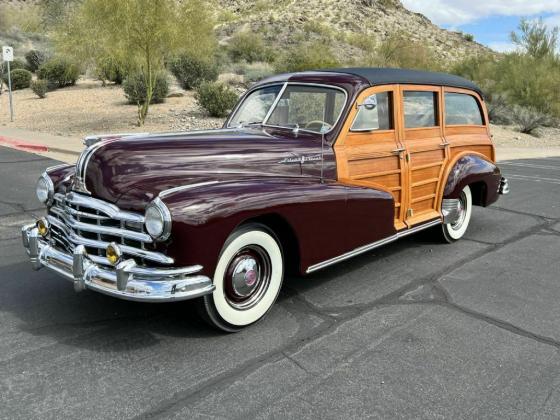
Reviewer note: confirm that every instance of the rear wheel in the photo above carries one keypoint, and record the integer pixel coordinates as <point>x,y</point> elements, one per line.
<point>248,278</point>
<point>452,232</point>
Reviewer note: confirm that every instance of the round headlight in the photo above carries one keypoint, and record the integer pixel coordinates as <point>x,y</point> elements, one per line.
<point>44,189</point>
<point>158,220</point>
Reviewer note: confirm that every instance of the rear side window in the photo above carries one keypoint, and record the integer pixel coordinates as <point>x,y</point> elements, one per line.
<point>462,109</point>
<point>375,113</point>
<point>420,109</point>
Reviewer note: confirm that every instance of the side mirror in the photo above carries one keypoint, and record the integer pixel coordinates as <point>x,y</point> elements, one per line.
<point>370,102</point>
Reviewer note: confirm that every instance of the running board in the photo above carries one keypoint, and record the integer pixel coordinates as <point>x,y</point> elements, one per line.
<point>373,245</point>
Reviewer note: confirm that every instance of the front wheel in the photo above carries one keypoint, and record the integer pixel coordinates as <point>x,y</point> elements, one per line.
<point>248,278</point>
<point>452,232</point>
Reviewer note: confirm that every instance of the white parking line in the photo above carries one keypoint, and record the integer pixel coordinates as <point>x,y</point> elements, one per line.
<point>534,178</point>
<point>531,165</point>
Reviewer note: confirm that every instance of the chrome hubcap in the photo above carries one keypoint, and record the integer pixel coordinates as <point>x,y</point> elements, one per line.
<point>462,211</point>
<point>247,277</point>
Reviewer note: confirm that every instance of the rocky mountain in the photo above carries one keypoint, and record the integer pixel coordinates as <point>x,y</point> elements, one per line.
<point>348,24</point>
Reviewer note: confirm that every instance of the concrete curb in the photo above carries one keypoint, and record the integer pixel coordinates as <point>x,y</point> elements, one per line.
<point>22,145</point>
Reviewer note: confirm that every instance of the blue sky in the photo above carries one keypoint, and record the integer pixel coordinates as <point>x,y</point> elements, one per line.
<point>490,21</point>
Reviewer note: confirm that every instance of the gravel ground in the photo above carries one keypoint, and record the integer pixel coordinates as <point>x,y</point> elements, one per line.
<point>90,108</point>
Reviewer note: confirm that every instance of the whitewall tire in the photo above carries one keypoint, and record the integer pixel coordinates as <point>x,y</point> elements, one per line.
<point>454,231</point>
<point>248,278</point>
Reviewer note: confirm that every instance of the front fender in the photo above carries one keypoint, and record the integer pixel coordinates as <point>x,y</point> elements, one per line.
<point>475,170</point>
<point>327,219</point>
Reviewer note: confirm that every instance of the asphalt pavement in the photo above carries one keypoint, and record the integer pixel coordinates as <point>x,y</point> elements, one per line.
<point>416,329</point>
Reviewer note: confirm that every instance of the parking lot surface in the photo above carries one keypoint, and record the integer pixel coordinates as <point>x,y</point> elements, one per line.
<point>417,329</point>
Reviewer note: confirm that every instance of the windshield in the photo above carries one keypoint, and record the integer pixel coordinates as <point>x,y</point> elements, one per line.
<point>307,107</point>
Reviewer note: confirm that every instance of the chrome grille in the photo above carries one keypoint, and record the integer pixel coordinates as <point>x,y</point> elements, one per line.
<point>77,219</point>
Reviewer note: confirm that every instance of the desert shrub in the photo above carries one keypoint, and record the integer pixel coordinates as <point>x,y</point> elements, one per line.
<point>528,120</point>
<point>35,59</point>
<point>468,37</point>
<point>253,72</point>
<point>499,111</point>
<point>59,72</point>
<point>21,79</point>
<point>17,64</point>
<point>135,89</point>
<point>399,51</point>
<point>190,71</point>
<point>249,47</point>
<point>530,82</point>
<point>216,98</point>
<point>306,56</point>
<point>25,17</point>
<point>40,88</point>
<point>110,69</point>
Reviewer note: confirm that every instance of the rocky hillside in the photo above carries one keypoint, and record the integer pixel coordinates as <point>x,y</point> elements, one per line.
<point>348,23</point>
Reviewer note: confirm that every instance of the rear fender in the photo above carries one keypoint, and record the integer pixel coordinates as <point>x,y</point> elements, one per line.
<point>477,171</point>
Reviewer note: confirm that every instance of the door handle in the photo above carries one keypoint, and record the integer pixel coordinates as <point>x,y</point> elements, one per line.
<point>399,150</point>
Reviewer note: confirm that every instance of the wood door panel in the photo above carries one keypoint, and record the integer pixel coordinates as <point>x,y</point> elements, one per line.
<point>374,158</point>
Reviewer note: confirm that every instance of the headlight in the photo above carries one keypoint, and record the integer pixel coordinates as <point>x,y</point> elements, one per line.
<point>45,189</point>
<point>158,220</point>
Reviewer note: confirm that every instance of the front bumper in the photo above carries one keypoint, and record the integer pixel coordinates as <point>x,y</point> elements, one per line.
<point>125,281</point>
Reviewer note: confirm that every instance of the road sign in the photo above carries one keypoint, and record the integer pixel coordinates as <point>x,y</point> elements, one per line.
<point>7,53</point>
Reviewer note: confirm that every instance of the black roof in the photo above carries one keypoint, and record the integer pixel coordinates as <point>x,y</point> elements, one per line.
<point>387,76</point>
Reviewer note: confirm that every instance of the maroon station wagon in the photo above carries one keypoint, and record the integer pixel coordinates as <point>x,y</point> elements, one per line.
<point>310,169</point>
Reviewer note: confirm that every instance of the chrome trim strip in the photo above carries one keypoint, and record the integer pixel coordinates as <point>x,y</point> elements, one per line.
<point>373,245</point>
<point>165,193</point>
<point>94,243</point>
<point>403,233</point>
<point>52,168</point>
<point>91,139</point>
<point>126,281</point>
<point>273,106</point>
<point>104,230</point>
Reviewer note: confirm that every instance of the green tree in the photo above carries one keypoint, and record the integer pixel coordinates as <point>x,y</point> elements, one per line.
<point>535,39</point>
<point>139,34</point>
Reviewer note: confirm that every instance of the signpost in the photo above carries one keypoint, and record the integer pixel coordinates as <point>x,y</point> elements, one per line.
<point>8,57</point>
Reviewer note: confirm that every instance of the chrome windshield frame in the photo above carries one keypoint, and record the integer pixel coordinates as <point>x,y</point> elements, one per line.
<point>277,100</point>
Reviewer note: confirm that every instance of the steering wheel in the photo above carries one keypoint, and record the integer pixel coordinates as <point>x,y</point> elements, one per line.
<point>318,123</point>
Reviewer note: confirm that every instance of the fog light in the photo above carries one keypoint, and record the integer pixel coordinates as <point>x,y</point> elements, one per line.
<point>113,253</point>
<point>43,227</point>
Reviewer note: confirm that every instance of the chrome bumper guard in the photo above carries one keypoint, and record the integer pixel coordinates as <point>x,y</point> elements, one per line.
<point>504,186</point>
<point>125,281</point>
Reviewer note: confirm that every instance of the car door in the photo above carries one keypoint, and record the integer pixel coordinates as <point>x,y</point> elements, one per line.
<point>426,150</point>
<point>368,151</point>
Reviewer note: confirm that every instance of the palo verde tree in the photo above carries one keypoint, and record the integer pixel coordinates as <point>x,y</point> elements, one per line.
<point>141,35</point>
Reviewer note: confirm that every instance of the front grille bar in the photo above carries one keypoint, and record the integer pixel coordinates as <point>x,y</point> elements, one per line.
<point>104,230</point>
<point>70,238</point>
<point>93,203</point>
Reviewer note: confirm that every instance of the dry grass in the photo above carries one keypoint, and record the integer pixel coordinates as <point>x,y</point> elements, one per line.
<point>90,108</point>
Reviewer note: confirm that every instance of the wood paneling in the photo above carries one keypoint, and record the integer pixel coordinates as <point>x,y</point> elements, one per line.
<point>411,164</point>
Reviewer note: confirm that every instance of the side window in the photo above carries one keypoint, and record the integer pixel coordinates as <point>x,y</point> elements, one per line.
<point>420,109</point>
<point>375,113</point>
<point>462,109</point>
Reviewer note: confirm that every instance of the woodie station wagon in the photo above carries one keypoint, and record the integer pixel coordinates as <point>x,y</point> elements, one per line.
<point>309,170</point>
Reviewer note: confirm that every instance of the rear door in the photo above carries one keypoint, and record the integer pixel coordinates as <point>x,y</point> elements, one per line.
<point>426,151</point>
